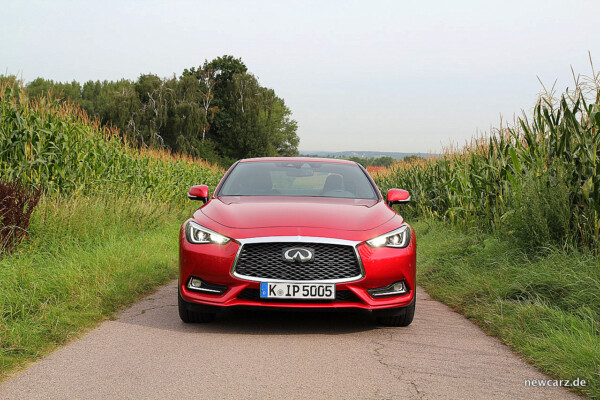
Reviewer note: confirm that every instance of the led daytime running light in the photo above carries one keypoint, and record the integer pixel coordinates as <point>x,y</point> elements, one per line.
<point>399,238</point>
<point>197,234</point>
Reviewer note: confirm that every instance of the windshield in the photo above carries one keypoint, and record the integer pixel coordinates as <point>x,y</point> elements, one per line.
<point>298,178</point>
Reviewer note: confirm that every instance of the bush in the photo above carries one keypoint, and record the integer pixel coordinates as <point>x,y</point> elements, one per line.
<point>16,205</point>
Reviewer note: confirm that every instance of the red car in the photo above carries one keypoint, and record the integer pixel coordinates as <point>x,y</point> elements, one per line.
<point>297,233</point>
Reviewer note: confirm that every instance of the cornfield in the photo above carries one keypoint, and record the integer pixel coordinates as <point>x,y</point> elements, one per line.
<point>540,176</point>
<point>55,146</point>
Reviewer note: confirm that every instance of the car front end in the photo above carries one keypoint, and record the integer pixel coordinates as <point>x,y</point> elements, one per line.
<point>297,253</point>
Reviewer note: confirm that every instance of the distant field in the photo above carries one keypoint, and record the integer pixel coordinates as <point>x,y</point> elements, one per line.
<point>363,154</point>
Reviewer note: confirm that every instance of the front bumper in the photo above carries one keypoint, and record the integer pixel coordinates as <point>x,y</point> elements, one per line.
<point>213,263</point>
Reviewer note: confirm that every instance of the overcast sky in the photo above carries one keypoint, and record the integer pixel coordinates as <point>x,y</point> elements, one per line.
<point>357,75</point>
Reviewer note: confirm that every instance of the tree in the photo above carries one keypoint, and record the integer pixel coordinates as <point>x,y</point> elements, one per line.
<point>216,110</point>
<point>67,91</point>
<point>259,123</point>
<point>412,158</point>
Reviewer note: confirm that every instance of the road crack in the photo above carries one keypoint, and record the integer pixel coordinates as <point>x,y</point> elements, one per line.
<point>395,370</point>
<point>419,393</point>
<point>378,354</point>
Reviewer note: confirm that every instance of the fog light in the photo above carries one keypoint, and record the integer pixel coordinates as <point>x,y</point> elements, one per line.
<point>399,287</point>
<point>195,283</point>
<point>198,285</point>
<point>395,289</point>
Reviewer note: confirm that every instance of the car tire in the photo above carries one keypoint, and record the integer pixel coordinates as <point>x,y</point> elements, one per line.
<point>189,316</point>
<point>403,317</point>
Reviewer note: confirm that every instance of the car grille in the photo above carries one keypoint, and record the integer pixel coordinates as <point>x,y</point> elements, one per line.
<point>340,295</point>
<point>330,262</point>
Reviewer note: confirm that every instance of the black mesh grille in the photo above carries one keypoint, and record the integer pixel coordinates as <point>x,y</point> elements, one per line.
<point>340,295</point>
<point>265,260</point>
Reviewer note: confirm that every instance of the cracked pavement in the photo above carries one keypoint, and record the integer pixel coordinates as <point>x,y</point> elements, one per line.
<point>148,353</point>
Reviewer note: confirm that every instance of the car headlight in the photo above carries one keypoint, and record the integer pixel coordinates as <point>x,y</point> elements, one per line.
<point>398,238</point>
<point>197,234</point>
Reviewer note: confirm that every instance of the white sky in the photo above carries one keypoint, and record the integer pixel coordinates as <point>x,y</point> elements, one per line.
<point>357,75</point>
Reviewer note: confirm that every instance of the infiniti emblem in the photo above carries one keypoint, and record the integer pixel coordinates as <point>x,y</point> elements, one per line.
<point>298,254</point>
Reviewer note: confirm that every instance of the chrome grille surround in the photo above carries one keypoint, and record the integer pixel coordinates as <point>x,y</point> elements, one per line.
<point>300,241</point>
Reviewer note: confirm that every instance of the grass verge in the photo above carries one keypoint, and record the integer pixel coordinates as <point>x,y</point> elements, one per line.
<point>87,258</point>
<point>90,257</point>
<point>545,307</point>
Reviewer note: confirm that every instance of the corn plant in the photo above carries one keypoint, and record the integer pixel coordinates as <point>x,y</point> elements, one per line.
<point>483,184</point>
<point>55,146</point>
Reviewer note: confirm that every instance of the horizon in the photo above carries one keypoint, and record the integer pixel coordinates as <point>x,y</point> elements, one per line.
<point>403,153</point>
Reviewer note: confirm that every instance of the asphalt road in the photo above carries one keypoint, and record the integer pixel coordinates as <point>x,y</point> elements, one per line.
<point>148,353</point>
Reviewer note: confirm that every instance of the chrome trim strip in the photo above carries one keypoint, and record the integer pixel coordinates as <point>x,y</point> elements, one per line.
<point>298,239</point>
<point>255,279</point>
<point>360,264</point>
<point>201,289</point>
<point>235,260</point>
<point>388,294</point>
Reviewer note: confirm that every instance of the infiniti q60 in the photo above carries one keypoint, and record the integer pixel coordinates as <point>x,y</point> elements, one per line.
<point>297,233</point>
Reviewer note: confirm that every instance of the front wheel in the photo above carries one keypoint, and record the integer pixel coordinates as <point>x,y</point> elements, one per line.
<point>189,316</point>
<point>399,317</point>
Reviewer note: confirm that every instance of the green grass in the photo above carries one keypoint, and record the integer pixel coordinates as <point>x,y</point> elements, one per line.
<point>104,234</point>
<point>545,307</point>
<point>87,258</point>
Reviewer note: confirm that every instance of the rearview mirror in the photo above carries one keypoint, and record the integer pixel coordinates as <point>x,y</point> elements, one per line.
<point>198,192</point>
<point>397,196</point>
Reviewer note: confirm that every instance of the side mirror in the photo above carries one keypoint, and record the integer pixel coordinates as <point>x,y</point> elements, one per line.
<point>397,196</point>
<point>198,192</point>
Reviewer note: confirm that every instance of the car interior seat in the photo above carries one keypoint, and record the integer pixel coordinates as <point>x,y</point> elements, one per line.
<point>333,182</point>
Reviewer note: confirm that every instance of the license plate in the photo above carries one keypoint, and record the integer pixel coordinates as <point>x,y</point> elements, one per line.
<point>275,290</point>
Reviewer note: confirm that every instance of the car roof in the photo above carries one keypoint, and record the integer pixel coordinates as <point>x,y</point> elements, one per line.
<point>306,159</point>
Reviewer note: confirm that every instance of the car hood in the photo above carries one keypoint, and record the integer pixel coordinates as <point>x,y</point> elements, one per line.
<point>248,212</point>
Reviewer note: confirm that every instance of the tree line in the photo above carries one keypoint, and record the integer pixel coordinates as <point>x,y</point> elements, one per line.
<point>217,111</point>
<point>382,161</point>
